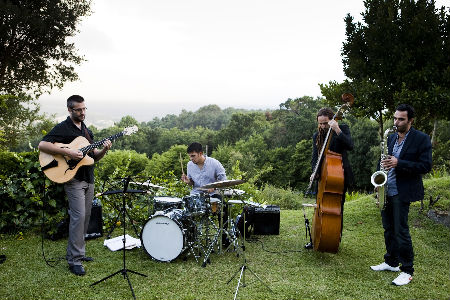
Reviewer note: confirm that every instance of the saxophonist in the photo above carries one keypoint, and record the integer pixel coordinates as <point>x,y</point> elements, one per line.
<point>409,158</point>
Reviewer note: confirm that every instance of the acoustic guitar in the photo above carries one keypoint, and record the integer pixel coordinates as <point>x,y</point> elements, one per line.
<point>60,168</point>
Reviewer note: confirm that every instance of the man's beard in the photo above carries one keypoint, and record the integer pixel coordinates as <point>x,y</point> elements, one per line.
<point>321,134</point>
<point>79,118</point>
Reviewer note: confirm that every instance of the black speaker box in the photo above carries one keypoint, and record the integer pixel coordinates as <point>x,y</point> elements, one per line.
<point>95,228</point>
<point>266,220</point>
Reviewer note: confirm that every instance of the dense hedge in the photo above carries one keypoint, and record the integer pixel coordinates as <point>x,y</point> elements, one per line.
<point>24,205</point>
<point>23,201</point>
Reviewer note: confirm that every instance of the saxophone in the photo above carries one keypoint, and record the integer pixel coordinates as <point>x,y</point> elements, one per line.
<point>379,178</point>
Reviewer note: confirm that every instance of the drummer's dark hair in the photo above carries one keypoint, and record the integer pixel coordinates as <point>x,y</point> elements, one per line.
<point>195,147</point>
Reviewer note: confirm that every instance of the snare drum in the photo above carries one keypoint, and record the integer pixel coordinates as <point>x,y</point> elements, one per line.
<point>196,204</point>
<point>215,204</point>
<point>164,203</point>
<point>166,235</point>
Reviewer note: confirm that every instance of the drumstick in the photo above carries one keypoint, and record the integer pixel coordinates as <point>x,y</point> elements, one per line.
<point>181,163</point>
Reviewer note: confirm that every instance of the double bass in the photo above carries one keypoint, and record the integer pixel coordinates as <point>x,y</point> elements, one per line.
<point>327,221</point>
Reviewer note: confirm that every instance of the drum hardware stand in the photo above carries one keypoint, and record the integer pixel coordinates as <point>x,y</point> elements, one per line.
<point>124,271</point>
<point>211,245</point>
<point>307,227</point>
<point>229,225</point>
<point>231,236</point>
<point>242,269</point>
<point>195,244</point>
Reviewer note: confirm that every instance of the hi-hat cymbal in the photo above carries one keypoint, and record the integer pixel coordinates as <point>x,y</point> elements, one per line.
<point>149,184</point>
<point>233,192</point>
<point>222,184</point>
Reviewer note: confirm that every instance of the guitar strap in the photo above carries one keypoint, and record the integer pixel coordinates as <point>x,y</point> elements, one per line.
<point>87,136</point>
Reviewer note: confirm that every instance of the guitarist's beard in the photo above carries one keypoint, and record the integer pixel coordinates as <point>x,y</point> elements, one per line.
<point>78,119</point>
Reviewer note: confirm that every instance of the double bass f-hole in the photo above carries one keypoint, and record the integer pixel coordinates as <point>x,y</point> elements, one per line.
<point>327,222</point>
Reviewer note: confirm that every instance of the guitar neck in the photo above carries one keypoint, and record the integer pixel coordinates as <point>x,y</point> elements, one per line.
<point>89,148</point>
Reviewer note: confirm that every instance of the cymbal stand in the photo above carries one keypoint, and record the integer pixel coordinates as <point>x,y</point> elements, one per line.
<point>231,232</point>
<point>220,233</point>
<point>124,271</point>
<point>244,267</point>
<point>218,238</point>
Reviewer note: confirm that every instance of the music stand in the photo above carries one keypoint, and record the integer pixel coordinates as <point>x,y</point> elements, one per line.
<point>244,266</point>
<point>111,192</point>
<point>124,271</point>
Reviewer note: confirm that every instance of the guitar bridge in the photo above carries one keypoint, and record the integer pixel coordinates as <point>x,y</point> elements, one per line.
<point>52,164</point>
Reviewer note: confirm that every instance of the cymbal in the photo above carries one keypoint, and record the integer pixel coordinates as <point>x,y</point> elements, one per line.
<point>246,202</point>
<point>234,201</point>
<point>149,184</point>
<point>222,184</point>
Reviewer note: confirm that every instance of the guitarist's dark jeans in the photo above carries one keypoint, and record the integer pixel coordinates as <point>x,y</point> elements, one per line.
<point>80,195</point>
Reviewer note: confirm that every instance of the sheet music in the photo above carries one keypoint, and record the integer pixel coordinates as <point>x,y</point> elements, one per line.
<point>116,243</point>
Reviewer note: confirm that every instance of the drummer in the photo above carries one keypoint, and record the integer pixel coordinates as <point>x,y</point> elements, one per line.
<point>202,170</point>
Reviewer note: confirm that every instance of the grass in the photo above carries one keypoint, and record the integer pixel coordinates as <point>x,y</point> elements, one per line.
<point>279,260</point>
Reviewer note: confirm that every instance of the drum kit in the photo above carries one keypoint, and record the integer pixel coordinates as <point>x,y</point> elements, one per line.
<point>189,226</point>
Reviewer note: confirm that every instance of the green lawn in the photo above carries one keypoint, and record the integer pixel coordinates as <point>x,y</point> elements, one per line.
<point>279,260</point>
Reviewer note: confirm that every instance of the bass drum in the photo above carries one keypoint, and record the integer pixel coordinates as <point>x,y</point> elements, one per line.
<point>165,235</point>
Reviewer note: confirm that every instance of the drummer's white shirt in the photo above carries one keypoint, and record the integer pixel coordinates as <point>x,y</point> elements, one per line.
<point>212,171</point>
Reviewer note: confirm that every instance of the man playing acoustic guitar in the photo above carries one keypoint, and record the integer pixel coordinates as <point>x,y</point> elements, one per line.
<point>80,189</point>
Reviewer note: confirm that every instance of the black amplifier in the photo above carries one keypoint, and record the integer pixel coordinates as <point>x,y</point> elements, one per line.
<point>266,220</point>
<point>95,228</point>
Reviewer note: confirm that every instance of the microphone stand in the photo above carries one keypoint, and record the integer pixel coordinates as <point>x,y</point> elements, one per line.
<point>124,271</point>
<point>307,227</point>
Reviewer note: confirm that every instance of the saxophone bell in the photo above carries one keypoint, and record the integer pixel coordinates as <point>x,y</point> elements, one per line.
<point>378,178</point>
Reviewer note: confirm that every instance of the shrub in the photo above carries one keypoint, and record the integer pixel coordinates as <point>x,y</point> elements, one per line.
<point>22,192</point>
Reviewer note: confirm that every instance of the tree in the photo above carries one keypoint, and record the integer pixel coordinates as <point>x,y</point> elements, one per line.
<point>366,151</point>
<point>242,126</point>
<point>18,117</point>
<point>300,164</point>
<point>35,55</point>
<point>298,120</point>
<point>399,55</point>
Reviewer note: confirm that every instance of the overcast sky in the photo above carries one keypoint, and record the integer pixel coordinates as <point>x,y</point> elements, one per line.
<point>150,58</point>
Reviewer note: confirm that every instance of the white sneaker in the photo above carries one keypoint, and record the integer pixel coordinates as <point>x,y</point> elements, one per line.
<point>402,279</point>
<point>384,267</point>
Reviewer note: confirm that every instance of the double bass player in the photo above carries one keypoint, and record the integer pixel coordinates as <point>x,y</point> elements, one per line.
<point>339,142</point>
